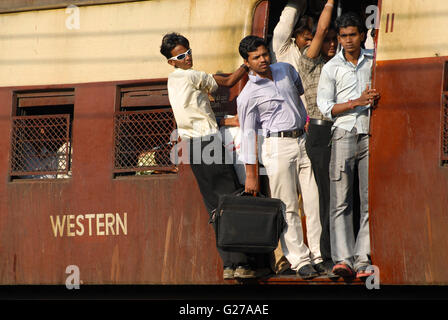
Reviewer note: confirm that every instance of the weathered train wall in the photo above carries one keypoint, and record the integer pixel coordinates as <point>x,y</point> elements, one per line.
<point>134,230</point>
<point>408,183</point>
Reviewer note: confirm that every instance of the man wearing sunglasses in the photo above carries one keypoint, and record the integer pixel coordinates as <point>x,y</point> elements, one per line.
<point>188,91</point>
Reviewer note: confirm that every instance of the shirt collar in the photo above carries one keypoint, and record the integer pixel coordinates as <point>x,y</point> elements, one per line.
<point>364,52</point>
<point>255,78</point>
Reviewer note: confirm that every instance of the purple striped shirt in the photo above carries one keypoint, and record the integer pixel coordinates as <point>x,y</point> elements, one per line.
<point>272,106</point>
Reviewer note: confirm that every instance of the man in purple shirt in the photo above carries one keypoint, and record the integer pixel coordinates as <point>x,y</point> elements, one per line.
<point>271,102</point>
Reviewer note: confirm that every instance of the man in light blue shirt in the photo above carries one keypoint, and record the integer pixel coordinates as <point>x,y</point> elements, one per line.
<point>270,101</point>
<point>344,96</point>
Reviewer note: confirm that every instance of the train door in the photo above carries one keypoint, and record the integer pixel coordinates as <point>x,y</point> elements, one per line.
<point>408,168</point>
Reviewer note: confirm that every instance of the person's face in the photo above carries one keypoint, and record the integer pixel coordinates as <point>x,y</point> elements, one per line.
<point>186,63</point>
<point>259,60</point>
<point>330,44</point>
<point>304,39</point>
<point>350,38</point>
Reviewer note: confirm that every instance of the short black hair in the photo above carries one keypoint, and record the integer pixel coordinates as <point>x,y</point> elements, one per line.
<point>250,44</point>
<point>349,19</point>
<point>170,41</point>
<point>303,25</point>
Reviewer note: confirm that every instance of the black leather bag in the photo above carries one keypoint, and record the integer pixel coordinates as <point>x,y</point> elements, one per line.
<point>249,224</point>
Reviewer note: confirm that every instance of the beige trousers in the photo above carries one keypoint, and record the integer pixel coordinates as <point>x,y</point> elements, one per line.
<point>290,173</point>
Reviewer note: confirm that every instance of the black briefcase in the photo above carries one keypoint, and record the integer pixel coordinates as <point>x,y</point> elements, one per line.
<point>249,224</point>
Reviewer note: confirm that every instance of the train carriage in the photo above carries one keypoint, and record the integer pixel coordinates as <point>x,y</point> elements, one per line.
<point>83,86</point>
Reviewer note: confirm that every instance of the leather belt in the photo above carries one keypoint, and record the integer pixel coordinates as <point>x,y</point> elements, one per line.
<point>286,134</point>
<point>319,122</point>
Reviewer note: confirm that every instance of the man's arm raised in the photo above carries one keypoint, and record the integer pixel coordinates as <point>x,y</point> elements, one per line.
<point>321,31</point>
<point>284,28</point>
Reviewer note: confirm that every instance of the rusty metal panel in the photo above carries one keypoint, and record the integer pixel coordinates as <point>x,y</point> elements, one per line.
<point>408,189</point>
<point>144,96</point>
<point>117,231</point>
<point>51,98</point>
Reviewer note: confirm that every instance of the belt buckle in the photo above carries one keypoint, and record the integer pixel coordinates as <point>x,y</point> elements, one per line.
<point>295,133</point>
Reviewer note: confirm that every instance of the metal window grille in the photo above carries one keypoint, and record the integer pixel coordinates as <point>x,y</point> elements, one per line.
<point>444,130</point>
<point>221,103</point>
<point>40,146</point>
<point>143,141</point>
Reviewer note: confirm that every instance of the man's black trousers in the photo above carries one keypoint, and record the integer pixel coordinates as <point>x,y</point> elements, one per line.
<point>319,151</point>
<point>215,179</point>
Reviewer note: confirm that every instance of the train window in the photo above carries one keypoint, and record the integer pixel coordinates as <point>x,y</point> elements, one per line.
<point>41,145</point>
<point>144,132</point>
<point>315,7</point>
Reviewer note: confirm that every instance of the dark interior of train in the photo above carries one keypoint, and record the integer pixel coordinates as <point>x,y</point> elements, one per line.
<point>314,8</point>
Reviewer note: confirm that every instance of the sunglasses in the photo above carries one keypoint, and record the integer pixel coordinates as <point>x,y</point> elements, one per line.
<point>181,56</point>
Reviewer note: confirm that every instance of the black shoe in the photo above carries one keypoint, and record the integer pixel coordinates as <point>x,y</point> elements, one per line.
<point>307,272</point>
<point>263,272</point>
<point>325,268</point>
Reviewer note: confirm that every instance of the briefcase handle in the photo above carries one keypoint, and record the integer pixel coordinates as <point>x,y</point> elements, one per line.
<point>243,193</point>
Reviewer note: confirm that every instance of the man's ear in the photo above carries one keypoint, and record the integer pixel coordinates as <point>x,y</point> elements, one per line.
<point>363,36</point>
<point>171,63</point>
<point>246,63</point>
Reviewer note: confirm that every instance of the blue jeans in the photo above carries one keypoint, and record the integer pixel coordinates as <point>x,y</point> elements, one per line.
<point>349,150</point>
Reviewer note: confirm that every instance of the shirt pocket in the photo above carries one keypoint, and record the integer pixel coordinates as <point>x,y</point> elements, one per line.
<point>346,78</point>
<point>364,80</point>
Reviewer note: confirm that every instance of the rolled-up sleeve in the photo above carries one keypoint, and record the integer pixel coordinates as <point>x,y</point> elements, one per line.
<point>249,122</point>
<point>326,93</point>
<point>203,81</point>
<point>284,28</point>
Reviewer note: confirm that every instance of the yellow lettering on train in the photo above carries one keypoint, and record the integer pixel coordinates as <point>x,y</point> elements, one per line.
<point>80,231</point>
<point>90,216</point>
<point>110,221</point>
<point>99,224</point>
<point>70,225</point>
<point>124,226</point>
<point>58,226</point>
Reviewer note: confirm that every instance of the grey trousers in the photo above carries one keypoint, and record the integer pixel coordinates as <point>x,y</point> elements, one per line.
<point>349,150</point>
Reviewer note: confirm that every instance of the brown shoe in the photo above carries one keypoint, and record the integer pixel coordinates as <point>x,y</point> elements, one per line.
<point>282,265</point>
<point>244,273</point>
<point>228,273</point>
